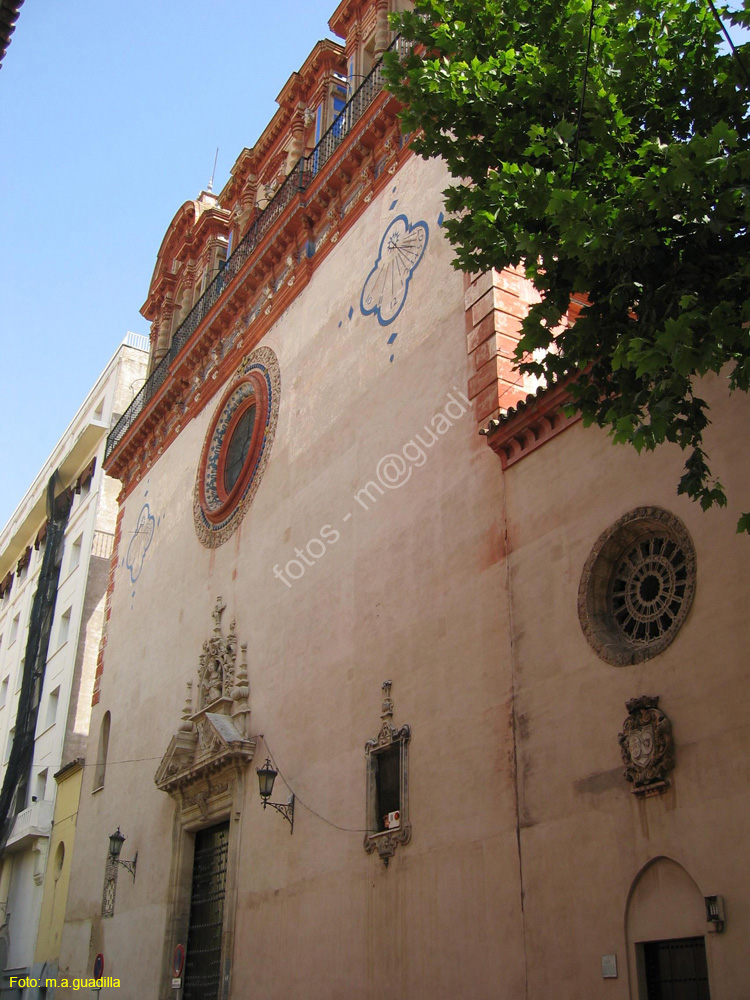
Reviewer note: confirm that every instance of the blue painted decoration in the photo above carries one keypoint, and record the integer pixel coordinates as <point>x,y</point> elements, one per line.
<point>401,249</point>
<point>140,542</point>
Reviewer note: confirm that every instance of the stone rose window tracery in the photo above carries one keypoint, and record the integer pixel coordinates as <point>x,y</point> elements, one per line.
<point>637,586</point>
<point>648,588</point>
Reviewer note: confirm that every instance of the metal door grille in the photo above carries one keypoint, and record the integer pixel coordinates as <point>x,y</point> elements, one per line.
<point>676,970</point>
<point>203,960</point>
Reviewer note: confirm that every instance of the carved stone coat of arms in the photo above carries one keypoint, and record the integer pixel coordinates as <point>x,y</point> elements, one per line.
<point>647,746</point>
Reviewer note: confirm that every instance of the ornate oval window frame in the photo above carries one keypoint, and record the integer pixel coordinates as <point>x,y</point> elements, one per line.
<point>218,512</point>
<point>637,586</point>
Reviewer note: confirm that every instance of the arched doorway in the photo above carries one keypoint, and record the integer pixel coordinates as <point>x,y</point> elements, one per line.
<point>666,927</point>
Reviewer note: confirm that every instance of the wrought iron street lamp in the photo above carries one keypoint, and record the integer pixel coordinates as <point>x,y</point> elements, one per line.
<point>266,778</point>
<point>116,840</point>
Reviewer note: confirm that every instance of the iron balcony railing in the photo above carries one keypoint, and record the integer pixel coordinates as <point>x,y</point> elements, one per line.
<point>296,181</point>
<point>103,544</point>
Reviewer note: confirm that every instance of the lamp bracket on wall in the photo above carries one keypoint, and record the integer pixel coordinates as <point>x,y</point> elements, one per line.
<point>116,841</point>
<point>286,810</point>
<point>266,777</point>
<point>715,913</point>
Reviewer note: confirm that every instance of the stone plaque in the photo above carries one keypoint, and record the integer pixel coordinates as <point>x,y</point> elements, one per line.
<point>609,966</point>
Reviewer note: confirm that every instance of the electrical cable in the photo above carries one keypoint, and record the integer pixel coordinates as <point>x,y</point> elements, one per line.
<point>110,763</point>
<point>259,736</point>
<point>344,829</point>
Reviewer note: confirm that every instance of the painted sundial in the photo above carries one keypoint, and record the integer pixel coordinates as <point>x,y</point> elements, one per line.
<point>401,250</point>
<point>139,543</point>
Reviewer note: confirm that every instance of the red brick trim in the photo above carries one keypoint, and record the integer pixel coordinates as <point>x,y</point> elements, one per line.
<point>108,604</point>
<point>495,303</point>
<point>514,420</point>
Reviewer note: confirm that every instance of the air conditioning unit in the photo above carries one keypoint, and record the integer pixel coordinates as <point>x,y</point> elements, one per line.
<point>392,820</point>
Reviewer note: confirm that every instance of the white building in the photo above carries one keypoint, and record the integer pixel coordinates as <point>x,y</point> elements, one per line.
<point>57,627</point>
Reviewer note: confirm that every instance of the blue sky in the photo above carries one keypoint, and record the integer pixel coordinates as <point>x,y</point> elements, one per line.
<point>110,116</point>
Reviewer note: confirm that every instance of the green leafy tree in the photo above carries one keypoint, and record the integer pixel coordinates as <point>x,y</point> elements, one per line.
<point>605,148</point>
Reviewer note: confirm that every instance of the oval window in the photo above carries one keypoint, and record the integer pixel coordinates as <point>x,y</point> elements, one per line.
<point>59,859</point>
<point>236,448</point>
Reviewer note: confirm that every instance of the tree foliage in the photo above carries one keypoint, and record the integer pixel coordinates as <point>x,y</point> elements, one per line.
<point>634,190</point>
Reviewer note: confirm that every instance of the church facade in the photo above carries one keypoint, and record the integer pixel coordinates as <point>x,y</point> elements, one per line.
<point>410,684</point>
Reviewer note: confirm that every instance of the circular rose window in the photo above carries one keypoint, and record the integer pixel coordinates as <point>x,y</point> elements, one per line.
<point>637,586</point>
<point>236,448</point>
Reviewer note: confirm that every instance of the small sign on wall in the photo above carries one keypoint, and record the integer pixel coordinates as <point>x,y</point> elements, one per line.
<point>609,966</point>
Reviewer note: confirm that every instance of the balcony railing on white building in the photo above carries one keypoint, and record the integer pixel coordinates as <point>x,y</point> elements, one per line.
<point>137,340</point>
<point>32,822</point>
<point>102,544</point>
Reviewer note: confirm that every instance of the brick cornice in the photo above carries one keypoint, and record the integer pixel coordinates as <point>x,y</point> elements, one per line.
<point>514,417</point>
<point>531,423</point>
<point>347,12</point>
<point>192,225</point>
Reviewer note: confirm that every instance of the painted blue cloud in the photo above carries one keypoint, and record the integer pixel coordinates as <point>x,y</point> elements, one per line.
<point>140,542</point>
<point>401,249</point>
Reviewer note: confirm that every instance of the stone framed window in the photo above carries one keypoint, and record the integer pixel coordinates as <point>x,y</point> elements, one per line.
<point>637,586</point>
<point>387,777</point>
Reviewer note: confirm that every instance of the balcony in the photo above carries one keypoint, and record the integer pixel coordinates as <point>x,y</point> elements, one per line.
<point>30,823</point>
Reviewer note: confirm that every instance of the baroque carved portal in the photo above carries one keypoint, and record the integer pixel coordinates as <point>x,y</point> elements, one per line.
<point>211,749</point>
<point>647,746</point>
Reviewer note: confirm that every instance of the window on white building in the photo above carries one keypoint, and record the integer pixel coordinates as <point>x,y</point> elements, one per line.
<point>52,704</point>
<point>40,785</point>
<point>64,630</point>
<point>75,553</point>
<point>22,794</point>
